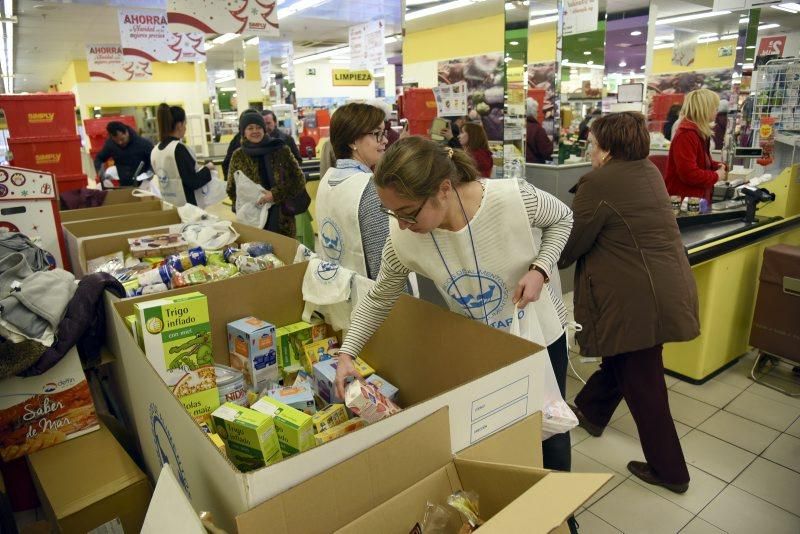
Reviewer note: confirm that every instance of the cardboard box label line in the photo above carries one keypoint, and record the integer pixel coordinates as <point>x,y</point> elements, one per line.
<point>500,419</point>
<point>499,399</point>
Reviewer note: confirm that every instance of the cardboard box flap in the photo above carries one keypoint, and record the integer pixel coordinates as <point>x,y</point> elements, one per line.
<point>358,485</point>
<point>112,210</point>
<point>519,444</point>
<point>112,224</point>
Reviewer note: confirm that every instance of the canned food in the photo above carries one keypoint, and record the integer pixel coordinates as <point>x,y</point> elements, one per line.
<point>693,206</point>
<point>186,260</point>
<point>230,383</point>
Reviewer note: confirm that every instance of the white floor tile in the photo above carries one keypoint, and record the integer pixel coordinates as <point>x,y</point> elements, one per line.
<point>712,392</point>
<point>794,430</point>
<point>773,483</point>
<point>670,380</point>
<point>585,370</point>
<point>573,387</point>
<point>785,451</point>
<point>613,449</point>
<point>576,435</point>
<point>633,508</point>
<point>703,488</point>
<point>689,411</point>
<point>583,464</point>
<point>769,393</point>
<point>621,410</point>
<point>715,456</point>
<point>763,410</point>
<point>698,526</point>
<point>626,424</point>
<point>591,524</point>
<point>737,376</point>
<point>739,431</point>
<point>738,512</point>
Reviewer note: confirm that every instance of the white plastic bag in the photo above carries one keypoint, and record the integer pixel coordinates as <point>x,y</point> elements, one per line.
<point>248,210</point>
<point>212,193</point>
<point>190,213</point>
<point>210,235</point>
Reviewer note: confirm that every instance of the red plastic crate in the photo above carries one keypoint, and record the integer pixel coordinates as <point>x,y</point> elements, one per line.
<point>96,129</point>
<point>42,115</point>
<point>70,182</point>
<point>58,155</point>
<point>418,105</point>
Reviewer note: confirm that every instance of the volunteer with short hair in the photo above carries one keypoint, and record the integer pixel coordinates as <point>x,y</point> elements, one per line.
<point>352,227</point>
<point>474,238</point>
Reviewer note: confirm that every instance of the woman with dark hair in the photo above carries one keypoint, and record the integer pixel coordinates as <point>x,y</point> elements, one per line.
<point>270,163</point>
<point>473,139</point>
<point>634,291</point>
<point>672,117</point>
<point>174,163</point>
<point>352,228</point>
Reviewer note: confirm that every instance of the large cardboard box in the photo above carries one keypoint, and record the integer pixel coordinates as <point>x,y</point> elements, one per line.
<point>124,195</point>
<point>487,378</point>
<point>89,482</point>
<point>114,210</point>
<point>96,246</point>
<point>41,411</point>
<point>386,488</point>
<point>76,232</point>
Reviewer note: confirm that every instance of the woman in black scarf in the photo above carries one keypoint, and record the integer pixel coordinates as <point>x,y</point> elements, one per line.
<point>269,163</point>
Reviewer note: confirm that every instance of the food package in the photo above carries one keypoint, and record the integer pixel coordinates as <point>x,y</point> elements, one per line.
<point>249,436</point>
<point>157,245</point>
<point>217,441</point>
<point>299,397</point>
<point>340,430</point>
<point>387,390</point>
<point>159,275</point>
<point>295,429</point>
<point>291,341</point>
<point>187,259</point>
<point>252,349</point>
<point>190,277</point>
<point>256,248</point>
<point>317,351</point>
<point>325,381</point>
<point>303,378</point>
<point>333,415</point>
<point>365,401</point>
<point>247,264</point>
<point>215,257</point>
<point>111,264</point>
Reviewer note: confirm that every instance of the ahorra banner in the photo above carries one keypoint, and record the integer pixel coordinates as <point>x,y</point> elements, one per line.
<point>106,64</point>
<point>253,17</point>
<point>144,34</point>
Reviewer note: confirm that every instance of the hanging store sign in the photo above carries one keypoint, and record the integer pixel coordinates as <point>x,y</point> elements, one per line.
<point>367,49</point>
<point>106,65</point>
<point>351,78</point>
<point>187,47</point>
<point>772,46</point>
<point>264,62</point>
<point>684,50</point>
<point>144,35</point>
<point>253,17</point>
<point>580,16</point>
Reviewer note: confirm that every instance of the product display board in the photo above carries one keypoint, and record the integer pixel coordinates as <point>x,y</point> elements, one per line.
<point>29,204</point>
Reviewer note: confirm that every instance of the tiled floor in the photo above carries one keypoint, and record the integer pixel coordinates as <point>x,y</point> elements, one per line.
<point>741,441</point>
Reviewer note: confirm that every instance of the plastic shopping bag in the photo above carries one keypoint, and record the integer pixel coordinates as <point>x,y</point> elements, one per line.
<point>248,210</point>
<point>212,193</point>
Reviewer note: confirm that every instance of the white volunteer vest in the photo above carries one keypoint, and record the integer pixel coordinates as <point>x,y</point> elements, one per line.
<point>337,216</point>
<point>505,248</point>
<point>166,170</point>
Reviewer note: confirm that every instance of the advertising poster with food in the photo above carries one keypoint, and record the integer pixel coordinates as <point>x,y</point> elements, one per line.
<point>451,100</point>
<point>484,77</point>
<point>253,17</point>
<point>542,88</point>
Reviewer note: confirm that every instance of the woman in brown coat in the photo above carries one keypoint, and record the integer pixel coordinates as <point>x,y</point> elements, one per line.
<point>634,291</point>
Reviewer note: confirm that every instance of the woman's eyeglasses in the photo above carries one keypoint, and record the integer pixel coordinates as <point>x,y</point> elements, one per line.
<point>408,219</point>
<point>379,135</point>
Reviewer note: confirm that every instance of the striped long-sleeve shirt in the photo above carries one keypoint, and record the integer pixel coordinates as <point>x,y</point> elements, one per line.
<point>545,212</point>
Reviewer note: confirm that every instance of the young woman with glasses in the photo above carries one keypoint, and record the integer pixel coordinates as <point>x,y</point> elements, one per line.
<point>474,238</point>
<point>352,228</point>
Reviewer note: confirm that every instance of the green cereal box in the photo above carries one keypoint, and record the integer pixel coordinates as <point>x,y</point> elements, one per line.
<point>295,429</point>
<point>291,341</point>
<point>249,435</point>
<point>130,322</point>
<point>333,415</point>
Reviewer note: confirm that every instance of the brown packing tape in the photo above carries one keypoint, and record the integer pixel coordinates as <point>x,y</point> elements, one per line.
<point>114,210</point>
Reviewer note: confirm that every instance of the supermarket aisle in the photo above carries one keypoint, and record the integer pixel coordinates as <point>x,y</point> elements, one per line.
<point>742,443</point>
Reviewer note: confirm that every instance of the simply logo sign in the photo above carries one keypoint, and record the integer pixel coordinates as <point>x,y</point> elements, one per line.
<point>165,447</point>
<point>480,297</point>
<point>332,241</point>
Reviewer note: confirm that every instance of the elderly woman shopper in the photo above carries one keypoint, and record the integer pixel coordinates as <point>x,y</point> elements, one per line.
<point>634,292</point>
<point>270,163</point>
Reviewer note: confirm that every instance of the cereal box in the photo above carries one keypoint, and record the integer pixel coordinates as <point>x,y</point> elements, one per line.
<point>340,430</point>
<point>295,429</point>
<point>363,367</point>
<point>41,411</point>
<point>333,415</point>
<point>325,378</point>
<point>365,401</point>
<point>252,348</point>
<point>387,390</point>
<point>317,351</point>
<point>291,342</point>
<point>299,397</point>
<point>249,436</point>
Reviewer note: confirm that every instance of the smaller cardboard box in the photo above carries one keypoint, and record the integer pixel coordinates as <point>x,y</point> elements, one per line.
<point>250,436</point>
<point>300,397</point>
<point>91,482</point>
<point>387,390</point>
<point>295,429</point>
<point>252,349</point>
<point>329,417</point>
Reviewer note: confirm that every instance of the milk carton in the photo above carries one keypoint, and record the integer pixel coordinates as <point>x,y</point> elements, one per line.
<point>339,430</point>
<point>300,397</point>
<point>325,378</point>
<point>332,416</point>
<point>295,429</point>
<point>249,436</point>
<point>387,390</point>
<point>252,348</point>
<point>365,401</point>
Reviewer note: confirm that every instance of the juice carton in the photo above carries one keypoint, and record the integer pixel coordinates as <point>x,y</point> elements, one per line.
<point>317,351</point>
<point>299,397</point>
<point>365,401</point>
<point>325,378</point>
<point>387,390</point>
<point>250,436</point>
<point>295,429</point>
<point>252,348</point>
<point>332,416</point>
<point>340,430</point>
<point>291,341</point>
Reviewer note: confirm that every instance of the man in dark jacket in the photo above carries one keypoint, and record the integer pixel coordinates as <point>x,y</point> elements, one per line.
<point>128,150</point>
<point>538,146</point>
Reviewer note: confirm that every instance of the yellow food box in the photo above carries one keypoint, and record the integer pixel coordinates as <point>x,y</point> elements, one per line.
<point>249,435</point>
<point>340,430</point>
<point>295,429</point>
<point>332,416</point>
<point>316,351</point>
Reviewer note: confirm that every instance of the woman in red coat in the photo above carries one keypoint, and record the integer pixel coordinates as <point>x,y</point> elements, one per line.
<point>690,170</point>
<point>473,139</point>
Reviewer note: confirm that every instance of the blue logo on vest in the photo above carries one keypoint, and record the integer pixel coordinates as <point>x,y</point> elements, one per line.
<point>165,447</point>
<point>332,241</point>
<point>327,270</point>
<point>478,298</point>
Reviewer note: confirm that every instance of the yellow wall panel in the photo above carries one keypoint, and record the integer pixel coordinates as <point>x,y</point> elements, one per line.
<point>469,38</point>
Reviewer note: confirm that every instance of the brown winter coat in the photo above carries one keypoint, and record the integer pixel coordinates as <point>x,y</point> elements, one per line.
<point>633,285</point>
